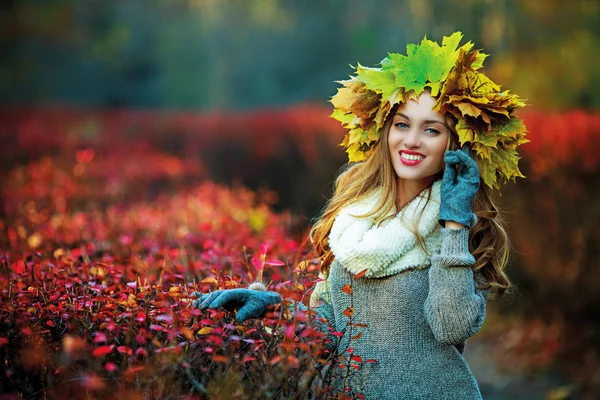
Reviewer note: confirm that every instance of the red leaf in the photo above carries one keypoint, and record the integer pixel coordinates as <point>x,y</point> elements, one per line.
<point>140,352</point>
<point>99,337</point>
<point>3,341</point>
<point>262,249</point>
<point>102,350</point>
<point>347,288</point>
<point>371,360</point>
<point>348,312</point>
<point>289,331</point>
<point>258,263</point>
<point>110,367</point>
<point>358,359</point>
<point>361,274</point>
<point>133,370</point>
<point>275,360</point>
<point>124,350</point>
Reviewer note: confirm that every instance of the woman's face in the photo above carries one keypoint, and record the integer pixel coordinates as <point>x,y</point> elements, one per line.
<point>417,140</point>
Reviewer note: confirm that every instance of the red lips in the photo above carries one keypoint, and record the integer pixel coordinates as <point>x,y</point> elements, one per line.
<point>410,163</point>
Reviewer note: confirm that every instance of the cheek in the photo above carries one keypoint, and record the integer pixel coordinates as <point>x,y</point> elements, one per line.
<point>392,142</point>
<point>440,149</point>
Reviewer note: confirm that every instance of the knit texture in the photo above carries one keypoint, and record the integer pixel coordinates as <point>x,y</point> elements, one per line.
<point>391,247</point>
<point>417,322</point>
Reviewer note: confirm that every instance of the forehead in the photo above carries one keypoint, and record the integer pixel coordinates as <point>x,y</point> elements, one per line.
<point>422,108</point>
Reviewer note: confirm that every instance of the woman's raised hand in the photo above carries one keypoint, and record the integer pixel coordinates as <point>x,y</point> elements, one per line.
<point>251,303</point>
<point>458,188</point>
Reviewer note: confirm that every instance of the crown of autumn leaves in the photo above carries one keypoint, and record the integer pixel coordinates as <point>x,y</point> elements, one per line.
<point>483,112</point>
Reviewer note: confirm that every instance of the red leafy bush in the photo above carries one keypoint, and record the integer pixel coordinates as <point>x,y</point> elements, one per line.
<point>98,303</point>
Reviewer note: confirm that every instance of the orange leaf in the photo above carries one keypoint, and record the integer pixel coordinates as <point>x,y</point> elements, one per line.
<point>187,333</point>
<point>347,288</point>
<point>357,336</point>
<point>349,312</point>
<point>275,360</point>
<point>360,274</point>
<point>221,359</point>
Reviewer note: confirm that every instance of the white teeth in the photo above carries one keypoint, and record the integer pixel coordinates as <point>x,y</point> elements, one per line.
<point>411,156</point>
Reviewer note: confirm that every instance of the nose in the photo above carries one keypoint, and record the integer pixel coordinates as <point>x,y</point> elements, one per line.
<point>412,138</point>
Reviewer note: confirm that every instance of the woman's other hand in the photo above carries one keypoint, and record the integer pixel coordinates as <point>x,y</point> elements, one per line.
<point>251,303</point>
<point>458,188</point>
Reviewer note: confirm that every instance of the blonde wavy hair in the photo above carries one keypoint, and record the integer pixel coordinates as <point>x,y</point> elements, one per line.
<point>488,240</point>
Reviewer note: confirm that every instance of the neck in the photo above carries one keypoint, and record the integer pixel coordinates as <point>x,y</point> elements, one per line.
<point>409,189</point>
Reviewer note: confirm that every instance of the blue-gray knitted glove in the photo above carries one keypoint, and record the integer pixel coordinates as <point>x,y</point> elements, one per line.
<point>458,188</point>
<point>251,303</point>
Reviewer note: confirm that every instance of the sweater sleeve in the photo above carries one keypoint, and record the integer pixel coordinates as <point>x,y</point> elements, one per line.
<point>454,308</point>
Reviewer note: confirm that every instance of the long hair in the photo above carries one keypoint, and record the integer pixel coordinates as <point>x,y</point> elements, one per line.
<point>488,241</point>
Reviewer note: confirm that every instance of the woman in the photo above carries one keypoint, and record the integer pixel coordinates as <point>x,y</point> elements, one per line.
<point>412,246</point>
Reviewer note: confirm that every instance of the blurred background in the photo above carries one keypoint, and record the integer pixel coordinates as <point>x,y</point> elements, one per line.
<point>106,102</point>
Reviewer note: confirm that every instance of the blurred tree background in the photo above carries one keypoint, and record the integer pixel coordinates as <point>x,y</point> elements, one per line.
<point>213,54</point>
<point>155,95</point>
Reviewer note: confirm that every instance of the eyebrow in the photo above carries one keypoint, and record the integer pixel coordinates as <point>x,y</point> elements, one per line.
<point>427,121</point>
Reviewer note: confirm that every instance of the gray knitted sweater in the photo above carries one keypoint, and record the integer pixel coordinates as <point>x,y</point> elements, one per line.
<point>411,325</point>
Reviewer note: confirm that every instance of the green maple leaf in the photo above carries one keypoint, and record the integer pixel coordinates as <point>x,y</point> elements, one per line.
<point>426,64</point>
<point>378,80</point>
<point>343,117</point>
<point>478,63</point>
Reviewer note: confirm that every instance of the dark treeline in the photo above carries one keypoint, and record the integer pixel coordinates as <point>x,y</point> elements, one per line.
<point>215,54</point>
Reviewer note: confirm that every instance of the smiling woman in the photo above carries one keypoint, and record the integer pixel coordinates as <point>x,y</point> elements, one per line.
<point>412,246</point>
<point>417,138</point>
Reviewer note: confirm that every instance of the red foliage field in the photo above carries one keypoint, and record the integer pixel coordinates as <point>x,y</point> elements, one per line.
<point>98,303</point>
<point>110,221</point>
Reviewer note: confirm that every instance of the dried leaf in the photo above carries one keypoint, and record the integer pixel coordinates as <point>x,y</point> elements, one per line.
<point>361,274</point>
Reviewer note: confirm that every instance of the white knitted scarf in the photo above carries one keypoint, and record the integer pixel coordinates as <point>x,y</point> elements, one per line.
<point>390,247</point>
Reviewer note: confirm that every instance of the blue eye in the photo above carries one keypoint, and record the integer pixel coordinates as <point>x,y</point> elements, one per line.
<point>433,131</point>
<point>401,125</point>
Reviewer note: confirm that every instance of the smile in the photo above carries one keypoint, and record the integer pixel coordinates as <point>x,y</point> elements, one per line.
<point>411,159</point>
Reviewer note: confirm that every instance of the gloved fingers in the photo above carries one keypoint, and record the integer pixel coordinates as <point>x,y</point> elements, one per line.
<point>209,298</point>
<point>200,298</point>
<point>469,170</point>
<point>231,298</point>
<point>254,308</point>
<point>274,298</point>
<point>466,159</point>
<point>451,158</point>
<point>450,170</point>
